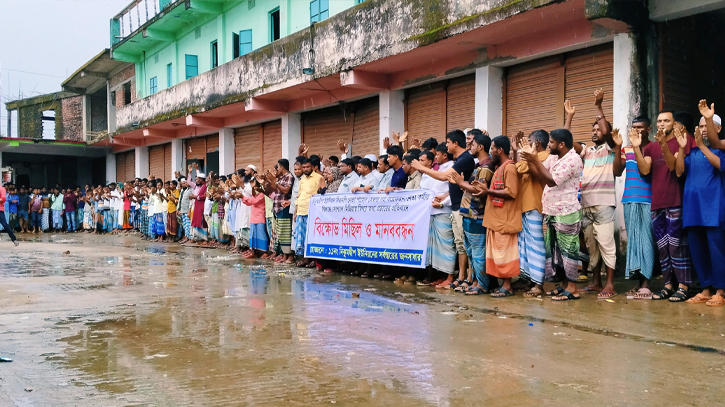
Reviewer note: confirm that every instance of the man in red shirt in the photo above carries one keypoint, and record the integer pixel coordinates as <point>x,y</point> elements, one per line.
<point>3,222</point>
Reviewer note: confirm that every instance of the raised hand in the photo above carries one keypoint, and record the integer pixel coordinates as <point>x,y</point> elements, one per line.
<point>403,137</point>
<point>569,108</point>
<point>660,136</point>
<point>196,166</point>
<point>343,146</point>
<point>322,184</point>
<point>395,137</point>
<point>527,148</point>
<point>681,137</point>
<point>598,97</point>
<point>386,142</point>
<point>517,140</point>
<point>706,112</point>
<point>415,143</point>
<point>616,137</point>
<point>635,138</point>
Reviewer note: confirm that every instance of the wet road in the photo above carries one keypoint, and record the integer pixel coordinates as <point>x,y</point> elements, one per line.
<point>119,321</point>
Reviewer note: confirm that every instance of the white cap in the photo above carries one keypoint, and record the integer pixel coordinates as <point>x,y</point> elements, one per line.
<point>201,175</point>
<point>252,167</point>
<point>715,119</point>
<point>371,157</point>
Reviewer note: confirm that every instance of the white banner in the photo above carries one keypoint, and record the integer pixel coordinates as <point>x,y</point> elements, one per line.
<point>370,228</point>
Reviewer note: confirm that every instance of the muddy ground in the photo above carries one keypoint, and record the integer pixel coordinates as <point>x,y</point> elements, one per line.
<point>120,321</point>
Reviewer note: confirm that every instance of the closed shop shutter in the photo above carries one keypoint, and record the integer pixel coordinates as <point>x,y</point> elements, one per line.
<point>534,97</point>
<point>168,171</point>
<point>130,165</point>
<point>460,103</point>
<point>585,72</point>
<point>425,111</point>
<point>366,128</point>
<point>196,148</point>
<point>121,167</point>
<point>212,143</point>
<point>272,143</point>
<point>322,128</point>
<point>676,67</point>
<point>247,147</point>
<point>156,162</point>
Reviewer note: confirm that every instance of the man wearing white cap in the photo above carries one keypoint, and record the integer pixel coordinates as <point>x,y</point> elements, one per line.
<point>251,170</point>
<point>703,203</point>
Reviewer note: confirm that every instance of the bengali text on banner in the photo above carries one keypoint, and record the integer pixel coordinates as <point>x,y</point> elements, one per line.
<point>370,228</point>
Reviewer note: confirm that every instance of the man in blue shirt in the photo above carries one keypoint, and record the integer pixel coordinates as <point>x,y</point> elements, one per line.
<point>12,200</point>
<point>400,178</point>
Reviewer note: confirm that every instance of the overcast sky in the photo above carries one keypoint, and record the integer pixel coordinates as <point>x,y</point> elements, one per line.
<point>48,40</point>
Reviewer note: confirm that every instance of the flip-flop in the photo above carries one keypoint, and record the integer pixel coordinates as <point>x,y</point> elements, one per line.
<point>606,295</point>
<point>557,291</point>
<point>567,296</point>
<point>501,293</point>
<point>716,301</point>
<point>641,294</point>
<point>475,291</point>
<point>698,299</point>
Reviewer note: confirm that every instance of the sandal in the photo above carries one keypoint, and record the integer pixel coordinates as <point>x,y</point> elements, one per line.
<point>632,292</point>
<point>716,301</point>
<point>605,295</point>
<point>643,294</point>
<point>424,282</point>
<point>476,291</point>
<point>533,292</point>
<point>565,296</point>
<point>679,296</point>
<point>455,284</point>
<point>462,288</point>
<point>502,292</point>
<point>698,299</point>
<point>557,291</point>
<point>663,295</point>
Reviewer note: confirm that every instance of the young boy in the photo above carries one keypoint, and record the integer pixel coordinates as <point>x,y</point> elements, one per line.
<point>23,208</point>
<point>35,208</point>
<point>12,198</point>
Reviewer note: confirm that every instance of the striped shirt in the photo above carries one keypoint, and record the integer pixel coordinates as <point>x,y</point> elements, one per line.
<point>636,189</point>
<point>597,177</point>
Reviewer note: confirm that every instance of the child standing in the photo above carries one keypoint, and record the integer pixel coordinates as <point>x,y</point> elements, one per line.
<point>258,241</point>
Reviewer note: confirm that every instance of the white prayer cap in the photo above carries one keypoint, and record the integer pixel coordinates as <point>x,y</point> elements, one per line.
<point>716,119</point>
<point>252,167</point>
<point>372,157</point>
<point>201,175</point>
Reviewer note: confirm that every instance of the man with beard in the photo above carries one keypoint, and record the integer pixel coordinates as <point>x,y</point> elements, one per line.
<point>350,177</point>
<point>560,173</point>
<point>598,199</point>
<point>658,160</point>
<point>502,217</point>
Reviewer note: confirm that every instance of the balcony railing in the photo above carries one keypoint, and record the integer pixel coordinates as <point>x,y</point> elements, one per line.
<point>136,14</point>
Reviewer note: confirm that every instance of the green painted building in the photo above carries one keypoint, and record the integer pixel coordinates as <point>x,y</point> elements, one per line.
<point>172,41</point>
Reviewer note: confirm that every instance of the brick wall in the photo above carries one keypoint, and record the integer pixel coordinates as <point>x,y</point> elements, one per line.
<point>128,73</point>
<point>71,116</point>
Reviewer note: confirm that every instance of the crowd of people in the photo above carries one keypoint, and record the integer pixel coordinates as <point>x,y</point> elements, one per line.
<point>527,209</point>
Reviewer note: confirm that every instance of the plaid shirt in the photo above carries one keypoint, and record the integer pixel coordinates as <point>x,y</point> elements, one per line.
<point>286,180</point>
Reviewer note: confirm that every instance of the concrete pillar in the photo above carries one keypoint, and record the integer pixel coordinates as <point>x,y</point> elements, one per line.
<point>142,161</point>
<point>110,168</point>
<point>489,100</point>
<point>392,114</point>
<point>110,109</point>
<point>627,100</point>
<point>222,34</point>
<point>177,156</point>
<point>291,135</point>
<point>226,150</point>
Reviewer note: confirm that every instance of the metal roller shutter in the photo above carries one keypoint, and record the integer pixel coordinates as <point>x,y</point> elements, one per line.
<point>533,97</point>
<point>425,111</point>
<point>121,167</point>
<point>366,128</point>
<point>247,146</point>
<point>322,128</point>
<point>212,143</point>
<point>196,148</point>
<point>586,72</point>
<point>168,171</point>
<point>130,165</point>
<point>156,162</point>
<point>460,103</point>
<point>272,144</point>
<point>676,76</point>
